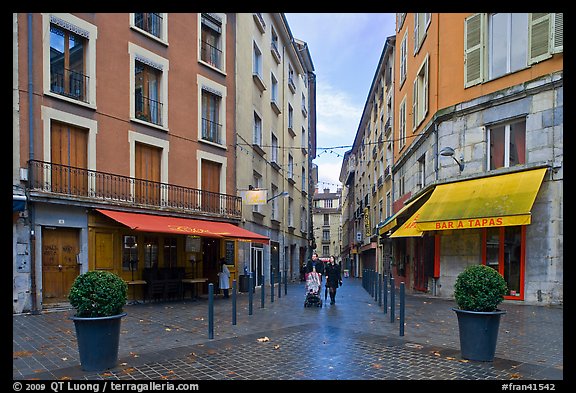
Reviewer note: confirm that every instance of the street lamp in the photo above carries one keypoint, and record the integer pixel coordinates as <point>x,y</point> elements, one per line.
<point>449,152</point>
<point>282,194</point>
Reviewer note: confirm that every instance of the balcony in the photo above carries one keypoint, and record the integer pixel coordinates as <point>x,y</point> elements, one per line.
<point>93,188</point>
<point>211,131</point>
<point>275,53</point>
<point>70,84</point>
<point>291,85</point>
<point>260,22</point>
<point>210,54</point>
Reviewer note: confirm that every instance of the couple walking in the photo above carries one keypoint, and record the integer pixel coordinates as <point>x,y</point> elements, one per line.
<point>331,270</point>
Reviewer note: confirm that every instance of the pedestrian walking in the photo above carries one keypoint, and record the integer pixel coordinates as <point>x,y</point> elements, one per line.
<point>333,278</point>
<point>224,278</point>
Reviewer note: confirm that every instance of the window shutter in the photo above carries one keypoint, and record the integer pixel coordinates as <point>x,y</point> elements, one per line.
<point>558,33</point>
<point>425,88</point>
<point>416,37</point>
<point>473,50</point>
<point>539,31</point>
<point>415,103</point>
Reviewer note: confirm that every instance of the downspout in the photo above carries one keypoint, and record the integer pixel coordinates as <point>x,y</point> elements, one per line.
<point>33,288</point>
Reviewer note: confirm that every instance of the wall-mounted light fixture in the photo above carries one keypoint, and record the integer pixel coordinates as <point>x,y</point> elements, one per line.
<point>449,152</point>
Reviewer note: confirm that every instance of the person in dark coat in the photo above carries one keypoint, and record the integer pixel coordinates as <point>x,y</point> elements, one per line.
<point>317,264</point>
<point>333,278</point>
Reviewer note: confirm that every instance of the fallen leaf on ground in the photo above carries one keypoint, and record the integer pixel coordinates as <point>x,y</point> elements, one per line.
<point>515,376</point>
<point>262,339</point>
<point>276,346</point>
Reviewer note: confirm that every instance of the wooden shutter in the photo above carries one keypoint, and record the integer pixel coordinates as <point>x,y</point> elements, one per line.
<point>210,186</point>
<point>147,173</point>
<point>69,153</point>
<point>558,42</point>
<point>474,50</point>
<point>415,103</point>
<point>539,37</point>
<point>425,89</point>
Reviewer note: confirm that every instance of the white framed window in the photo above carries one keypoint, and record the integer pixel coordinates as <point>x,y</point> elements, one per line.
<point>290,173</point>
<point>421,180</point>
<point>403,58</point>
<point>420,94</point>
<point>274,94</point>
<point>212,110</point>
<point>69,58</point>
<point>291,83</point>
<point>257,133</point>
<point>149,84</point>
<point>507,144</point>
<point>275,214</point>
<point>291,120</point>
<point>421,24</point>
<point>274,46</point>
<point>503,43</point>
<point>304,180</point>
<point>212,45</point>
<point>402,124</point>
<point>274,147</point>
<point>152,25</point>
<point>290,212</point>
<point>257,182</point>
<point>257,67</point>
<point>328,203</point>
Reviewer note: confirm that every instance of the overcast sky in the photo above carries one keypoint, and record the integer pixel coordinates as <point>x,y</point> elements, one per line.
<point>345,50</point>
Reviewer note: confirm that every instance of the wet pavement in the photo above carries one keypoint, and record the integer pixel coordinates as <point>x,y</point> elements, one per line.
<point>354,339</point>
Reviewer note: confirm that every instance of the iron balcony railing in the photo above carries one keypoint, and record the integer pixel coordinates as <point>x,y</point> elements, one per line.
<point>70,84</point>
<point>148,109</point>
<point>211,131</point>
<point>149,22</point>
<point>210,54</point>
<point>95,186</point>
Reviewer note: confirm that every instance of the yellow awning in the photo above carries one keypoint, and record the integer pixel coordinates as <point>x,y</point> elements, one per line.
<point>392,222</point>
<point>409,229</point>
<point>494,201</point>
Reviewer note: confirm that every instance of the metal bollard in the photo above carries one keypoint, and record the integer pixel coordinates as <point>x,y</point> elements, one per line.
<point>285,283</point>
<point>262,287</point>
<point>402,302</point>
<point>392,299</point>
<point>379,290</point>
<point>279,284</point>
<point>250,292</point>
<point>272,287</point>
<point>385,294</point>
<point>233,302</point>
<point>210,311</point>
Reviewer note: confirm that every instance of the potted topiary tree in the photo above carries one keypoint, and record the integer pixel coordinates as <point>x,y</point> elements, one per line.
<point>478,291</point>
<point>98,297</point>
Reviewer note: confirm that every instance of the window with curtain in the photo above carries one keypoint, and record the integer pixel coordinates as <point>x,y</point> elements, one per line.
<point>210,41</point>
<point>147,95</point>
<point>507,145</point>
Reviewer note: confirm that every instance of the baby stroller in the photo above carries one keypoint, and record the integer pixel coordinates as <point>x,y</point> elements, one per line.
<point>313,284</point>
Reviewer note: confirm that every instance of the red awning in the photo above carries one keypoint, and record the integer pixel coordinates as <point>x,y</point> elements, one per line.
<point>183,226</point>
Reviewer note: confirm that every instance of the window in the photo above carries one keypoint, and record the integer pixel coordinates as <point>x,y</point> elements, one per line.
<point>170,253</point>
<point>257,136</point>
<point>151,23</point>
<point>403,58</point>
<point>274,152</point>
<point>275,215</point>
<point>420,95</point>
<point>326,235</point>
<point>421,23</point>
<point>326,219</point>
<point>257,182</point>
<point>303,220</point>
<point>380,210</point>
<point>211,127</point>
<point>150,251</point>
<point>421,171</point>
<point>211,40</point>
<point>147,94</point>
<point>508,42</point>
<point>388,204</point>
<point>303,142</point>
<point>325,251</point>
<point>507,144</point>
<point>129,253</point>
<point>402,124</point>
<point>291,84</point>
<point>274,94</point>
<point>68,63</point>
<point>503,250</point>
<point>401,188</point>
<point>304,110</point>
<point>291,212</point>
<point>328,203</point>
<point>304,182</point>
<point>291,120</point>
<point>274,46</point>
<point>290,167</point>
<point>257,68</point>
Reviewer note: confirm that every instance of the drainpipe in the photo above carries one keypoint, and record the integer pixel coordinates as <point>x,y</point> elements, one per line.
<point>33,288</point>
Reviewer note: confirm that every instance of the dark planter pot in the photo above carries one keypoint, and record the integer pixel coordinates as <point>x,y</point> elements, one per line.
<point>478,333</point>
<point>98,339</point>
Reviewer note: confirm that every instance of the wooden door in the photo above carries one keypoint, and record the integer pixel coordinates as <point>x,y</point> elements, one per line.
<point>60,248</point>
<point>210,186</point>
<point>147,172</point>
<point>423,262</point>
<point>69,155</point>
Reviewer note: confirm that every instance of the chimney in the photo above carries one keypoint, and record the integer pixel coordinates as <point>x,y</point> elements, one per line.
<point>326,190</point>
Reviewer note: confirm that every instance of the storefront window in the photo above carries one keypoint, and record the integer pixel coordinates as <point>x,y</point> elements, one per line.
<point>150,251</point>
<point>170,259</point>
<point>129,253</point>
<point>503,252</point>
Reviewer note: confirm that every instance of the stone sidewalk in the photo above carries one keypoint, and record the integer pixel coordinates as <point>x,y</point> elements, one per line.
<point>353,339</point>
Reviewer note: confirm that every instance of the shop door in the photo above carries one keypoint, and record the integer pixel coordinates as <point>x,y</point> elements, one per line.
<point>423,262</point>
<point>210,261</point>
<point>256,263</point>
<point>275,259</point>
<point>60,249</point>
<point>69,153</point>
<point>147,172</point>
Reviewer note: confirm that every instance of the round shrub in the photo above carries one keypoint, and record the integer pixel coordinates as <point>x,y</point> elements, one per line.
<point>479,288</point>
<point>98,293</point>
